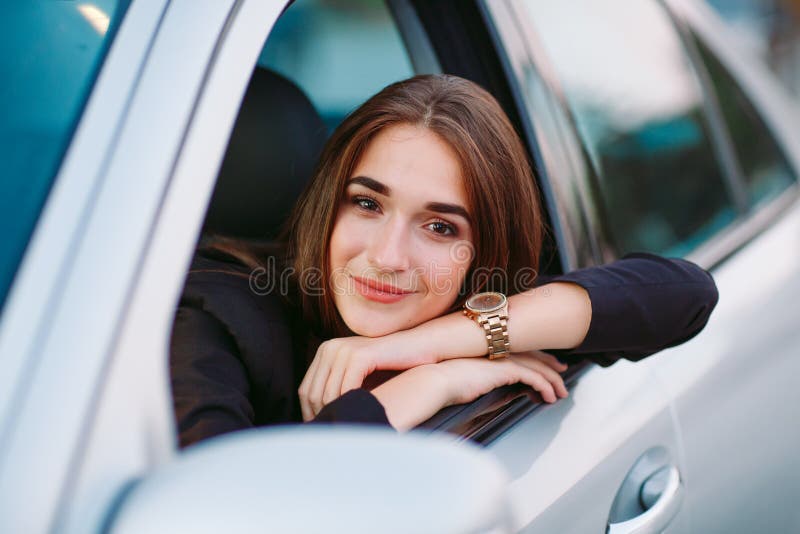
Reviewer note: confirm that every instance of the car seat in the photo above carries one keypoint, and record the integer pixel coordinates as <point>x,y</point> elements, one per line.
<point>275,144</point>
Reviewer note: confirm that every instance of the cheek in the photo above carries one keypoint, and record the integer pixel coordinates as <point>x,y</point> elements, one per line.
<point>345,242</point>
<point>446,270</point>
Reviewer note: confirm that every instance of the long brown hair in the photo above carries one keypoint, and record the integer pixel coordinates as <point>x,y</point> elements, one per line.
<point>501,192</point>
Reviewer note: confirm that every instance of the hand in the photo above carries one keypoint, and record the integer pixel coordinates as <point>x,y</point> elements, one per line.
<point>469,378</point>
<point>342,364</point>
<point>415,395</point>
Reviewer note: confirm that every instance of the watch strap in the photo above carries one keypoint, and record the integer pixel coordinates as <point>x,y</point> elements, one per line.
<point>496,329</point>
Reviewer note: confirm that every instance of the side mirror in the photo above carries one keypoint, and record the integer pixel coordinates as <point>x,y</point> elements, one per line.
<point>319,478</point>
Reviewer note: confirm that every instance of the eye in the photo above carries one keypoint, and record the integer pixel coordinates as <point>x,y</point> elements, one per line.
<point>443,228</point>
<point>365,202</point>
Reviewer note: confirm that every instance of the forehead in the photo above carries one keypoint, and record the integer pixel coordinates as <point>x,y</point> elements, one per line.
<point>414,162</point>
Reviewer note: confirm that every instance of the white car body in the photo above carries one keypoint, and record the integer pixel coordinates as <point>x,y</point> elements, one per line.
<point>85,408</point>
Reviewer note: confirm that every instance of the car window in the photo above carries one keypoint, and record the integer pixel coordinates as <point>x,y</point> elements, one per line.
<point>52,54</point>
<point>339,53</point>
<point>638,107</point>
<point>764,165</point>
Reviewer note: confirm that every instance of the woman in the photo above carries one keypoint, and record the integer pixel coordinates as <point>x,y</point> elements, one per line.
<point>422,198</point>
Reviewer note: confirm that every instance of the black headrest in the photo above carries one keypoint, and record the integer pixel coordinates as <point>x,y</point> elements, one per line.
<point>275,143</point>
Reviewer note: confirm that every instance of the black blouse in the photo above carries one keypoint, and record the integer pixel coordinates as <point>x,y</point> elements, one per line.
<point>237,357</point>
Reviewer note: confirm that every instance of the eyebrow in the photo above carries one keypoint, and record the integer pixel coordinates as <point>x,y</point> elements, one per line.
<point>454,209</point>
<point>371,183</point>
<point>383,189</point>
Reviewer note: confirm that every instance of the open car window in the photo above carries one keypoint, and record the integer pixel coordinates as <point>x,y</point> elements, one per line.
<point>319,63</point>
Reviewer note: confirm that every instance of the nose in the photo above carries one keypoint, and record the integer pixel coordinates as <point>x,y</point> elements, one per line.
<point>388,250</point>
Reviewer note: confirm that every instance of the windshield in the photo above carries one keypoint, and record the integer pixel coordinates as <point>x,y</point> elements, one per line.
<point>51,54</point>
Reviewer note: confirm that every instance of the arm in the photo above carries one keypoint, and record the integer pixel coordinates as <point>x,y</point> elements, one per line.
<point>412,396</point>
<point>642,304</point>
<point>555,315</point>
<point>210,390</point>
<point>630,308</point>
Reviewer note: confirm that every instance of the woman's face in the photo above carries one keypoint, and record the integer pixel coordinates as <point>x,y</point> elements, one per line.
<point>402,240</point>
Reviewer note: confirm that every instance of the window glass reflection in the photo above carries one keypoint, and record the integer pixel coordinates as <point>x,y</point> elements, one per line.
<point>763,163</point>
<point>638,108</point>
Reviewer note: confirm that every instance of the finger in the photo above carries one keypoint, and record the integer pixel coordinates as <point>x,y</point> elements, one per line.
<point>302,393</point>
<point>551,375</point>
<point>544,357</point>
<point>333,386</point>
<point>354,375</point>
<point>551,361</point>
<point>538,382</point>
<point>305,408</point>
<point>318,381</point>
<point>305,387</point>
<point>555,379</point>
<point>536,364</point>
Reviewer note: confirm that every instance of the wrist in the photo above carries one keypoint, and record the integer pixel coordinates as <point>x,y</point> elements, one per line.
<point>413,396</point>
<point>451,336</point>
<point>419,345</point>
<point>489,310</point>
<point>441,383</point>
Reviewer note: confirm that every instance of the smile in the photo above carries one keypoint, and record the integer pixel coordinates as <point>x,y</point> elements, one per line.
<point>378,292</point>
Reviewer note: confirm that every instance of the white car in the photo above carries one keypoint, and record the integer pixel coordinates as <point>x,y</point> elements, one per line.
<point>650,128</point>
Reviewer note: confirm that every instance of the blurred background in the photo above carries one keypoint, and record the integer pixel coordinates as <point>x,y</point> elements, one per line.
<point>772,29</point>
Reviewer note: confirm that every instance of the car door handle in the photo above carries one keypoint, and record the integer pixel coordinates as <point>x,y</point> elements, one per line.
<point>664,505</point>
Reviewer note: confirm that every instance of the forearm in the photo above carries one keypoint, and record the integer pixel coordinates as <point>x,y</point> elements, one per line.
<point>553,316</point>
<point>412,396</point>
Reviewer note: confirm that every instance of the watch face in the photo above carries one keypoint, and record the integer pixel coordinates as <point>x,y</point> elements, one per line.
<point>486,302</point>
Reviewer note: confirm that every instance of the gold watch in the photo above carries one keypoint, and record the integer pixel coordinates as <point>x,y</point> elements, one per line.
<point>490,311</point>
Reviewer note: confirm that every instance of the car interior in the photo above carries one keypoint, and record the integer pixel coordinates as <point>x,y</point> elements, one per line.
<point>271,154</point>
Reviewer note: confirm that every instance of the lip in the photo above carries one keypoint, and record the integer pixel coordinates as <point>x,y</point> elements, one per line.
<point>384,293</point>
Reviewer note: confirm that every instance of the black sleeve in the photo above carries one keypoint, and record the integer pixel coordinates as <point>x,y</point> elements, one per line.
<point>641,304</point>
<point>355,406</point>
<point>210,388</point>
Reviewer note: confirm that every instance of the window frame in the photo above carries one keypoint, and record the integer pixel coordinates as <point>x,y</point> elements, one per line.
<point>722,150</point>
<point>750,223</point>
<point>58,232</point>
<point>131,428</point>
<point>747,225</point>
<point>418,46</point>
<point>103,339</point>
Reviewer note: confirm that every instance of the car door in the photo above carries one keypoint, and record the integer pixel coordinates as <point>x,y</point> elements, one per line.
<point>580,464</point>
<point>735,398</point>
<point>687,165</point>
<point>85,407</point>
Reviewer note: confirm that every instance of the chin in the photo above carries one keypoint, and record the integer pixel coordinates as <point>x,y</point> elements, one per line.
<point>373,329</point>
<point>375,323</point>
